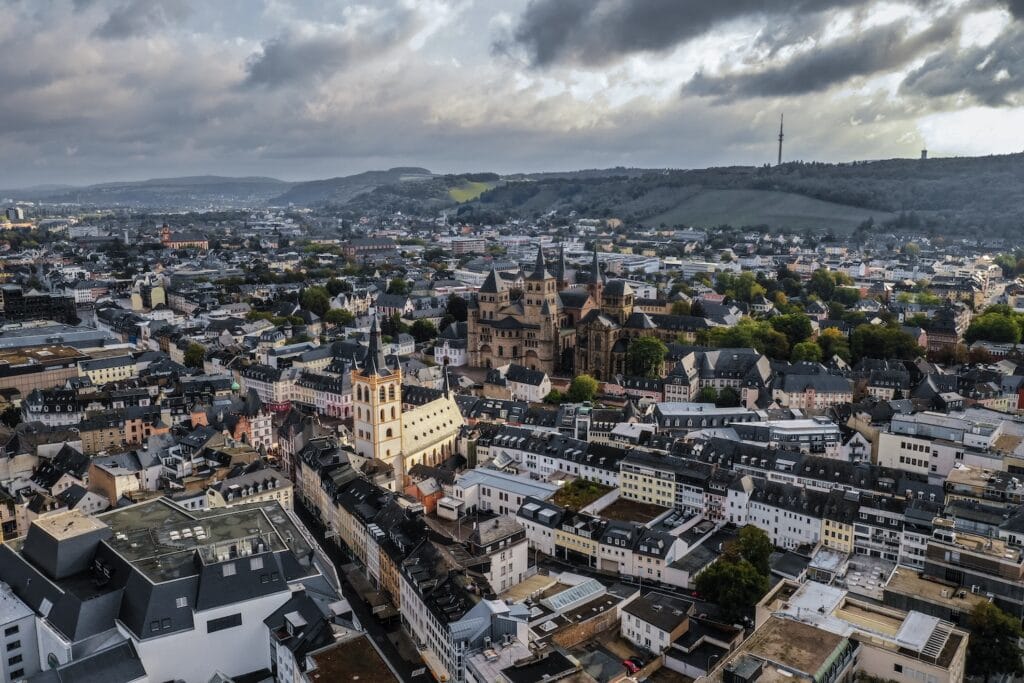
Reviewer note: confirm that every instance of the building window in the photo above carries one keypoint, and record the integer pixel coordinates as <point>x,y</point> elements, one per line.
<point>11,630</point>
<point>229,569</point>
<point>181,602</point>
<point>223,623</point>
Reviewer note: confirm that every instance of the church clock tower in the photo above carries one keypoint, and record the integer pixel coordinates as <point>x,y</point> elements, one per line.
<point>377,406</point>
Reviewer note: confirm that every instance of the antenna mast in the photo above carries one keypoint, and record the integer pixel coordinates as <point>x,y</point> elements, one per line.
<point>781,116</point>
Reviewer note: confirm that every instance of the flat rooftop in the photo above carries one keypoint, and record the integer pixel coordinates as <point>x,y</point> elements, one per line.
<point>40,354</point>
<point>533,585</point>
<point>351,660</point>
<point>984,545</point>
<point>907,582</point>
<point>160,538</point>
<point>831,609</point>
<point>788,643</point>
<point>68,525</point>
<point>625,510</point>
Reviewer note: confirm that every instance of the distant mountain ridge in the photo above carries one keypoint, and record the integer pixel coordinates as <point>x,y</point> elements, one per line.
<point>343,189</point>
<point>957,196</point>
<point>183,191</point>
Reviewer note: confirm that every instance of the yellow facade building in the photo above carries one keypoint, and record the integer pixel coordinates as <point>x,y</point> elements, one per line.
<point>424,434</point>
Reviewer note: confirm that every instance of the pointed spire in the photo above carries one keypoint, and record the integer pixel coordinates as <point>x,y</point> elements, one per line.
<point>446,387</point>
<point>596,277</point>
<point>375,362</point>
<point>494,283</point>
<point>540,269</point>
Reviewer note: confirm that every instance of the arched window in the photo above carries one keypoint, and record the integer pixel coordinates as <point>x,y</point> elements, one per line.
<point>391,393</point>
<point>388,434</point>
<point>382,395</point>
<point>381,414</point>
<point>392,412</point>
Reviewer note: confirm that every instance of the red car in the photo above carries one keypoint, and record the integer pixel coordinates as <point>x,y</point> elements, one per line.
<point>630,666</point>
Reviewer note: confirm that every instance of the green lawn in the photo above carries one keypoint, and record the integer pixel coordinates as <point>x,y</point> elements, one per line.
<point>579,493</point>
<point>708,208</point>
<point>468,191</point>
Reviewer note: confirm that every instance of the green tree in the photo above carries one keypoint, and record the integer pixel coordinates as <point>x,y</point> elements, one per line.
<point>833,343</point>
<point>583,388</point>
<point>878,341</point>
<point>554,397</point>
<point>707,395</point>
<point>195,354</point>
<point>335,286</point>
<point>749,333</point>
<point>848,296</point>
<point>735,586</point>
<point>743,287</point>
<point>423,330</point>
<point>316,299</point>
<point>727,398</point>
<point>821,284</point>
<point>808,351</point>
<point>681,307</point>
<point>399,286</point>
<point>393,326</point>
<point>457,308</point>
<point>992,648</point>
<point>645,356</point>
<point>338,316</point>
<point>795,326</point>
<point>995,327</point>
<point>753,545</point>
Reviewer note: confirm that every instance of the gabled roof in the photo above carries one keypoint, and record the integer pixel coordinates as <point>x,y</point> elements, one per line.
<point>493,284</point>
<point>540,271</point>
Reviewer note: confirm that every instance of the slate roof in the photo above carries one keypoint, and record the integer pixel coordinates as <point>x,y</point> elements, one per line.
<point>523,375</point>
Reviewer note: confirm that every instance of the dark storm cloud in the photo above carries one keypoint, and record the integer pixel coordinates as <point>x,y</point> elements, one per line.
<point>140,17</point>
<point>600,31</point>
<point>289,58</point>
<point>876,50</point>
<point>991,75</point>
<point>1016,8</point>
<point>297,56</point>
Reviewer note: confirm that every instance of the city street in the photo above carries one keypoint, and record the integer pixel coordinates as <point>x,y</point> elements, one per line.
<point>408,671</point>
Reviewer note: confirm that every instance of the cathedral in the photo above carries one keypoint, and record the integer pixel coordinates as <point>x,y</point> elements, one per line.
<point>565,330</point>
<point>385,429</point>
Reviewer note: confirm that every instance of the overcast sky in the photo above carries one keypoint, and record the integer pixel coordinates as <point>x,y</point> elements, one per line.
<point>97,90</point>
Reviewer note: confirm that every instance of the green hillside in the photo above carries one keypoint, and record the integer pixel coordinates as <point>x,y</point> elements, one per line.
<point>468,191</point>
<point>708,208</point>
<point>963,196</point>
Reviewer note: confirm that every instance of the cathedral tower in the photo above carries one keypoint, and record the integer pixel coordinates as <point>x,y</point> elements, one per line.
<point>541,289</point>
<point>562,270</point>
<point>377,405</point>
<point>595,284</point>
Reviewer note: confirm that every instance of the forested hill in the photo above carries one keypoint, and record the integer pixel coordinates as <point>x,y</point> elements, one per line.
<point>976,194</point>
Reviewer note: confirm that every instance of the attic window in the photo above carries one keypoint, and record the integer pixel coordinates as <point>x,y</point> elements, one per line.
<point>229,569</point>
